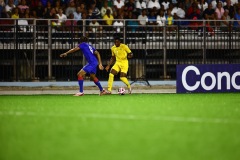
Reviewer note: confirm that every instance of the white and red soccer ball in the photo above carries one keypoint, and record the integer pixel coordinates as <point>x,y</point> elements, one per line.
<point>121,91</point>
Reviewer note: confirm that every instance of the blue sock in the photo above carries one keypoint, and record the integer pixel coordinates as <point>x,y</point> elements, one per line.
<point>80,83</point>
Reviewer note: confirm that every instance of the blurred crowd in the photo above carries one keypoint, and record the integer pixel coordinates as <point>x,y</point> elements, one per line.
<point>138,12</point>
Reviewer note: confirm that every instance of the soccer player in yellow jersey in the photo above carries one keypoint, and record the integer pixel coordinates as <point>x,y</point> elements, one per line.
<point>120,55</point>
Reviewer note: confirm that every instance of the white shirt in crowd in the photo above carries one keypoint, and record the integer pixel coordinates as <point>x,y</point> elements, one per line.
<point>8,8</point>
<point>142,5</point>
<point>61,18</point>
<point>118,5</point>
<point>142,19</point>
<point>161,20</point>
<point>179,11</point>
<point>77,16</point>
<point>165,5</point>
<point>153,3</point>
<point>94,26</point>
<point>118,25</point>
<point>205,6</point>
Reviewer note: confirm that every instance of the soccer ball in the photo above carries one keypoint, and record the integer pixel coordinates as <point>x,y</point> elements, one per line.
<point>121,91</point>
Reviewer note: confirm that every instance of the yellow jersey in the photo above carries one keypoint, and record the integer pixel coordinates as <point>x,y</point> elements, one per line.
<point>120,52</point>
<point>109,20</point>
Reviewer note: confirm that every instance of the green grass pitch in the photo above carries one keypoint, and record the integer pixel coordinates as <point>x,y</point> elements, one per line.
<point>114,127</point>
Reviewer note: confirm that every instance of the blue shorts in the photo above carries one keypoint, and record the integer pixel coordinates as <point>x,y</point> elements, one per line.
<point>90,68</point>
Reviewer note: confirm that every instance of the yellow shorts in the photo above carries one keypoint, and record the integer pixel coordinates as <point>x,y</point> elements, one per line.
<point>121,67</point>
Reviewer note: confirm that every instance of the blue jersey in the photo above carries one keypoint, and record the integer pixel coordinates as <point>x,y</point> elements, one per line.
<point>88,52</point>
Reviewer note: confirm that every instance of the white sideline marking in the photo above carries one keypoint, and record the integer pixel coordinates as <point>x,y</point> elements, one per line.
<point>128,117</point>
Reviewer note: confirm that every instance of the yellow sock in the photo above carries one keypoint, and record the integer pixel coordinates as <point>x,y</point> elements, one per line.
<point>125,80</point>
<point>110,81</point>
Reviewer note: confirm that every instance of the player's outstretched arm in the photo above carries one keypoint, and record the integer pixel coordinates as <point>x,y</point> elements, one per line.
<point>99,60</point>
<point>70,51</point>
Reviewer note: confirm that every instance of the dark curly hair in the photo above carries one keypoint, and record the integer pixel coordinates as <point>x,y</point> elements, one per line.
<point>83,39</point>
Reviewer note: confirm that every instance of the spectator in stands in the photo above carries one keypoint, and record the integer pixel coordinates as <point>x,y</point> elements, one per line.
<point>15,13</point>
<point>152,21</point>
<point>195,15</point>
<point>95,11</point>
<point>219,11</point>
<point>88,3</point>
<point>39,10</point>
<point>187,4</point>
<point>90,15</point>
<point>209,14</point>
<point>161,18</point>
<point>61,17</point>
<point>202,5</point>
<point>9,7</point>
<point>55,23</point>
<point>32,14</point>
<point>23,23</point>
<point>193,9</point>
<point>179,13</point>
<point>2,5</point>
<point>94,26</point>
<point>22,6</point>
<point>118,25</point>
<point>237,20</point>
<point>82,7</point>
<point>230,8</point>
<point>118,6</point>
<point>48,9</point>
<point>77,14</point>
<point>72,27</point>
<point>132,23</point>
<point>165,3</point>
<point>170,20</point>
<point>51,14</point>
<point>214,4</point>
<point>130,6</point>
<point>143,19</point>
<point>95,30</point>
<point>226,25</point>
<point>140,5</point>
<point>71,23</point>
<point>71,8</point>
<point>57,5</point>
<point>108,20</point>
<point>104,8</point>
<point>132,26</point>
<point>80,23</point>
<point>153,3</point>
<point>27,13</point>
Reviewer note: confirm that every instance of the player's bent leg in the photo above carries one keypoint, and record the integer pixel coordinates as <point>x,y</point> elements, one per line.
<point>124,79</point>
<point>110,81</point>
<point>97,82</point>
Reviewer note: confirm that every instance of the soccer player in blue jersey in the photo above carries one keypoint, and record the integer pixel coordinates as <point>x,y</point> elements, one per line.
<point>93,58</point>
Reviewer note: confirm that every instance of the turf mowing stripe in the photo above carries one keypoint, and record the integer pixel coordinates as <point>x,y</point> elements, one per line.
<point>129,117</point>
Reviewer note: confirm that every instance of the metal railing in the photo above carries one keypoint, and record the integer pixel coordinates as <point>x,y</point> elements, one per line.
<point>31,52</point>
